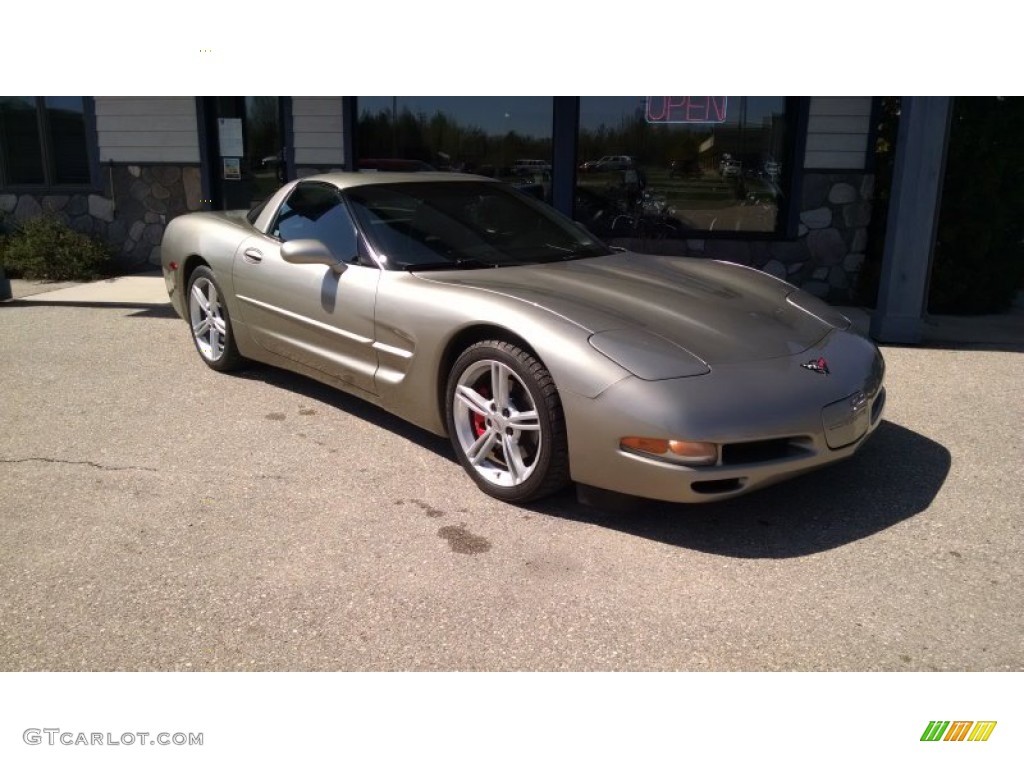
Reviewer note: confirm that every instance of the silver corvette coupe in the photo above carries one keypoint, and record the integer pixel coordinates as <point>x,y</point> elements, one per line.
<point>477,312</point>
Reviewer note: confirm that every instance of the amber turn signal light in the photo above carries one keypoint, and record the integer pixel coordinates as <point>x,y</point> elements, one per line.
<point>685,451</point>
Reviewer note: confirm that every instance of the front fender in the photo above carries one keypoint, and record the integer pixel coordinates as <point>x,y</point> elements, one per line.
<point>417,320</point>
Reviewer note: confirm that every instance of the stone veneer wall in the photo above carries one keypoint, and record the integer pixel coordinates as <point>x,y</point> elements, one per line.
<point>131,214</point>
<point>827,256</point>
<point>828,253</point>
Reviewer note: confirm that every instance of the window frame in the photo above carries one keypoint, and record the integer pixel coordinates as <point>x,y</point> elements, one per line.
<point>49,185</point>
<point>362,256</point>
<point>565,142</point>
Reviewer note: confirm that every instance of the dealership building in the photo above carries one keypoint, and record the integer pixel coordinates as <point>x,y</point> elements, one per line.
<point>781,184</point>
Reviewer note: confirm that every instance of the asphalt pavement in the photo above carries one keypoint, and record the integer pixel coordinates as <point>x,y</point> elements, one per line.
<point>156,515</point>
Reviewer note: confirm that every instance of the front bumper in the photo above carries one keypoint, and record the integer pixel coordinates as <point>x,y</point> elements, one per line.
<point>773,420</point>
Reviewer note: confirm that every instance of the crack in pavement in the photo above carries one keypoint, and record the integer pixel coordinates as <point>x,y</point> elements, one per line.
<point>83,463</point>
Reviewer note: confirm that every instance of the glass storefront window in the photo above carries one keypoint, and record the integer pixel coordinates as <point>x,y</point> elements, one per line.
<point>508,138</point>
<point>653,169</point>
<point>43,141</point>
<point>19,140</point>
<point>65,120</point>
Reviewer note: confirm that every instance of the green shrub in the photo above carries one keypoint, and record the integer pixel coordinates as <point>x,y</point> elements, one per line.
<point>6,224</point>
<point>44,248</point>
<point>5,227</point>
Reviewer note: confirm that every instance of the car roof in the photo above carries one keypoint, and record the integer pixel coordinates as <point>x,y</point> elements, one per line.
<point>347,179</point>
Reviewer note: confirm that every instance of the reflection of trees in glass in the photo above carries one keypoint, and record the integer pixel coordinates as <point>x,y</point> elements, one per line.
<point>444,142</point>
<point>647,144</point>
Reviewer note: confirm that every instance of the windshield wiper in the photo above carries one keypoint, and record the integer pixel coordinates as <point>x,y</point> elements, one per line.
<point>569,254</point>
<point>466,263</point>
<point>580,255</point>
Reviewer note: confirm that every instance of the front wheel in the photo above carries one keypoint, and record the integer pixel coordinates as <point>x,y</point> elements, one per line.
<point>506,424</point>
<point>210,323</point>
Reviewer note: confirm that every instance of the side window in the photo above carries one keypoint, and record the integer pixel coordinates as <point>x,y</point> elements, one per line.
<point>316,212</point>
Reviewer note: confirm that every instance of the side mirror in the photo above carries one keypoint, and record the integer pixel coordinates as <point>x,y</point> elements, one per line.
<point>311,252</point>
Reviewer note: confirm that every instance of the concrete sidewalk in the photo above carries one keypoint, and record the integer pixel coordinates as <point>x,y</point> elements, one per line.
<point>147,288</point>
<point>143,288</point>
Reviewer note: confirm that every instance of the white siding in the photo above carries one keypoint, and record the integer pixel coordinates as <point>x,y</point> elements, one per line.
<point>148,129</point>
<point>318,132</point>
<point>837,132</point>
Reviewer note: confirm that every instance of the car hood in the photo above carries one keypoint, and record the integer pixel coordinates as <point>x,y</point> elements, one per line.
<point>718,312</point>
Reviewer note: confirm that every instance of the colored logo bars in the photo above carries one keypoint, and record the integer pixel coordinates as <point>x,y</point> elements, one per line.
<point>958,730</point>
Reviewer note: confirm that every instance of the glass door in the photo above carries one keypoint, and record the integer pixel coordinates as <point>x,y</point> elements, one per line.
<point>246,149</point>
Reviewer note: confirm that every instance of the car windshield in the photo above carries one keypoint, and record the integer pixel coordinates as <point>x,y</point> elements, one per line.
<point>465,225</point>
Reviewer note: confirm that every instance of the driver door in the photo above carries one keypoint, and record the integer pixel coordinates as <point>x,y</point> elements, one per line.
<point>310,313</point>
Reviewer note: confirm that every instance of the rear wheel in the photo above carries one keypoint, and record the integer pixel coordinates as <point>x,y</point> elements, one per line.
<point>211,326</point>
<point>506,424</point>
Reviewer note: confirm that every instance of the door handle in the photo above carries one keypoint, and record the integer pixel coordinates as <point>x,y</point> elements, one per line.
<point>252,255</point>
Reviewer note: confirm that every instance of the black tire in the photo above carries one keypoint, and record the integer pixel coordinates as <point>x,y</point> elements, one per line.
<point>516,435</point>
<point>209,322</point>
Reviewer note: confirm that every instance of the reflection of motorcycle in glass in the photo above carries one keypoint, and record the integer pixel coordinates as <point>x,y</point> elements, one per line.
<point>650,219</point>
<point>627,215</point>
<point>595,211</point>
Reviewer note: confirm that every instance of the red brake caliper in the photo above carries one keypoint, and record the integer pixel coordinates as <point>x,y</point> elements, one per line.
<point>479,422</point>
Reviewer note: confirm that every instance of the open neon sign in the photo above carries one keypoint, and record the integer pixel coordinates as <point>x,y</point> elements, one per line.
<point>687,109</point>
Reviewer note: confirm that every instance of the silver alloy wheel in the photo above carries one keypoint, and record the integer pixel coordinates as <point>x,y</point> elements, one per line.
<point>207,319</point>
<point>496,423</point>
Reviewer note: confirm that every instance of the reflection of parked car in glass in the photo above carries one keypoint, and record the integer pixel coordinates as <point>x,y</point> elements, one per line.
<point>614,163</point>
<point>530,167</point>
<point>609,163</point>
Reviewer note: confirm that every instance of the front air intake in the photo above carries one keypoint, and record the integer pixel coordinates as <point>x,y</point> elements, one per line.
<point>711,487</point>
